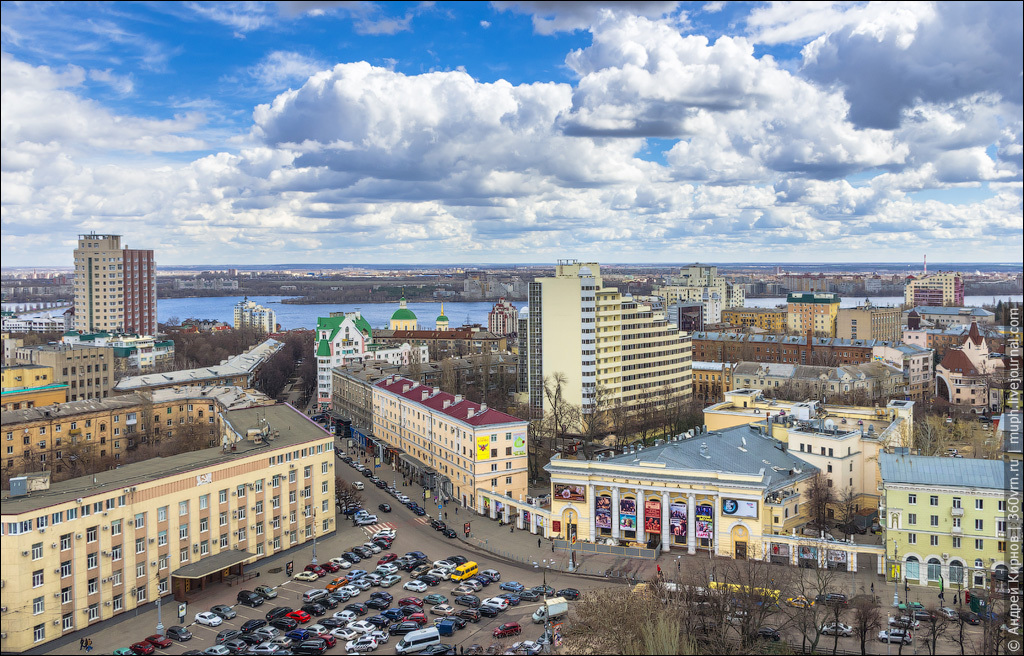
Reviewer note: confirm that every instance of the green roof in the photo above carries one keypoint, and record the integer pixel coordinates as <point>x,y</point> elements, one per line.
<point>333,324</point>
<point>403,314</point>
<point>323,348</point>
<point>441,317</point>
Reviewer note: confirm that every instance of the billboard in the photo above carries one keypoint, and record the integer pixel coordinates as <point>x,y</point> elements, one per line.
<point>836,556</point>
<point>808,553</point>
<point>677,519</point>
<point>569,492</point>
<point>652,515</point>
<point>627,514</point>
<point>739,508</point>
<point>519,444</point>
<point>483,447</point>
<point>603,512</point>
<point>704,517</point>
<point>780,549</point>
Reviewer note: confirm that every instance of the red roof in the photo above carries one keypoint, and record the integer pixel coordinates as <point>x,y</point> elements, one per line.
<point>975,335</point>
<point>436,402</point>
<point>956,360</point>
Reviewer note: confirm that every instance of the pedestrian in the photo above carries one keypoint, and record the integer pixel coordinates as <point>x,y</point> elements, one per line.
<point>552,546</point>
<point>538,543</point>
<point>462,649</point>
<point>659,570</point>
<point>81,644</point>
<point>679,566</point>
<point>88,645</point>
<point>456,510</point>
<point>512,528</point>
<point>872,588</point>
<point>446,515</point>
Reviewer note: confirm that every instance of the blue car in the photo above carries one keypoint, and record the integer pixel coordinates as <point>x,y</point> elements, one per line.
<point>394,614</point>
<point>299,634</point>
<point>419,511</point>
<point>513,599</point>
<point>512,586</point>
<point>482,580</point>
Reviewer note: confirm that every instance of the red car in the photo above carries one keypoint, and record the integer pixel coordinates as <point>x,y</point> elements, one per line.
<point>410,601</point>
<point>299,616</point>
<point>419,618</point>
<point>507,630</point>
<point>142,648</point>
<point>316,569</point>
<point>328,638</point>
<point>387,558</point>
<point>158,640</point>
<point>330,567</point>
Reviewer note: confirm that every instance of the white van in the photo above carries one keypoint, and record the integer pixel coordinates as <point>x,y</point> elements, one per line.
<point>418,641</point>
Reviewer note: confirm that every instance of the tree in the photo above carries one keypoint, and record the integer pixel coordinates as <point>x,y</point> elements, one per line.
<point>846,505</point>
<point>560,415</point>
<point>930,631</point>
<point>345,494</point>
<point>820,496</point>
<point>449,379</point>
<point>866,622</point>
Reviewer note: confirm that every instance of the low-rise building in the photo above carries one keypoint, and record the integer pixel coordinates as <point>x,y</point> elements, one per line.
<point>772,320</point>
<point>714,346</point>
<point>457,447</point>
<point>27,375</point>
<point>869,322</point>
<point>951,316</point>
<point>441,344</point>
<point>89,549</point>
<point>723,491</point>
<point>31,397</point>
<point>945,520</point>
<point>132,353</point>
<point>237,371</point>
<point>967,374</point>
<point>916,363</point>
<point>87,370</point>
<point>849,383</point>
<point>841,441</point>
<point>711,380</point>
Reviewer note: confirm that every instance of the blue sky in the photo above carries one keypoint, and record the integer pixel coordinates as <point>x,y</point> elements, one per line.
<point>351,132</point>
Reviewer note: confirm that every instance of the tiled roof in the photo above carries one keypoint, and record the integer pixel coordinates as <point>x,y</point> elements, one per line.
<point>465,411</point>
<point>956,360</point>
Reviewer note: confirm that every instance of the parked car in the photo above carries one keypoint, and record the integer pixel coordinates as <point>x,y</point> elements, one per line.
<point>158,640</point>
<point>471,614</point>
<point>225,612</point>
<point>507,630</point>
<point>209,619</point>
<point>451,535</point>
<point>434,599</point>
<point>142,648</point>
<point>512,586</point>
<point>768,633</point>
<point>468,600</point>
<point>415,585</point>
<point>572,594</point>
<point>265,591</point>
<point>249,598</point>
<point>840,629</point>
<point>179,633</point>
<point>300,616</point>
<point>306,576</point>
<point>284,623</point>
<point>492,574</point>
<point>384,507</point>
<point>896,635</point>
<point>390,580</point>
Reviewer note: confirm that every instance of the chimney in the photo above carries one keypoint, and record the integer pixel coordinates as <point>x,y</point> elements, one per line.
<point>483,408</point>
<point>405,388</point>
<point>444,406</point>
<point>469,413</point>
<point>458,399</point>
<point>437,390</point>
<point>426,393</point>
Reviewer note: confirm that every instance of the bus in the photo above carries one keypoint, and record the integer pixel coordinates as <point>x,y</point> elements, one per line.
<point>761,594</point>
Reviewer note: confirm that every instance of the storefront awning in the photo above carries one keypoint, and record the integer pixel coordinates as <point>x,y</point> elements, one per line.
<point>212,564</point>
<point>405,457</point>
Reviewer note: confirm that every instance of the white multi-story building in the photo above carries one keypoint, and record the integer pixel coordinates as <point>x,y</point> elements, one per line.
<point>248,314</point>
<point>346,337</point>
<point>503,318</point>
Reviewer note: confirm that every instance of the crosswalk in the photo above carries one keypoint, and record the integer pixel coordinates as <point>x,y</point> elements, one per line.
<point>373,528</point>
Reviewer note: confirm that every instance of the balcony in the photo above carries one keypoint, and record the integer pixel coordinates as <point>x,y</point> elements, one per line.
<point>956,512</point>
<point>957,530</point>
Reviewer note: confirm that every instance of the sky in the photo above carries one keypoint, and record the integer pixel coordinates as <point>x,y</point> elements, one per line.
<point>505,132</point>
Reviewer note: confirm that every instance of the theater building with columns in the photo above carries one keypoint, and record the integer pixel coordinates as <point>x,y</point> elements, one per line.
<point>725,491</point>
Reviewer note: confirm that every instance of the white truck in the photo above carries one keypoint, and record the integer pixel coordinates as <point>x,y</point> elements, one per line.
<point>551,610</point>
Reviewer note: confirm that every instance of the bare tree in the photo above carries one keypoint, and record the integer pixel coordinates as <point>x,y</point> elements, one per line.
<point>846,504</point>
<point>560,415</point>
<point>932,630</point>
<point>346,494</point>
<point>866,621</point>
<point>820,496</point>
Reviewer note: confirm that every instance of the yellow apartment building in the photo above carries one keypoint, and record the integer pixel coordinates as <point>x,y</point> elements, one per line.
<point>843,442</point>
<point>812,311</point>
<point>27,375</point>
<point>31,397</point>
<point>457,447</point>
<point>870,322</point>
<point>772,320</point>
<point>82,551</point>
<point>610,348</point>
<point>83,433</point>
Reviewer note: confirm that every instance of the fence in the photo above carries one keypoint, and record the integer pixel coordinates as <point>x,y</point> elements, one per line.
<point>609,550</point>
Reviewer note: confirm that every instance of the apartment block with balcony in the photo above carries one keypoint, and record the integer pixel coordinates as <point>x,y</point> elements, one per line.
<point>941,289</point>
<point>86,550</point>
<point>869,322</point>
<point>945,520</point>
<point>812,312</point>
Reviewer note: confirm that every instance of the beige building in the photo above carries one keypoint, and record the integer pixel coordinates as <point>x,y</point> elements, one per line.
<point>88,549</point>
<point>696,282</point>
<point>455,446</point>
<point>971,375</point>
<point>772,320</point>
<point>842,441</point>
<point>80,435</point>
<point>88,371</point>
<point>610,348</point>
<point>249,314</point>
<point>848,382</point>
<point>870,322</point>
<point>237,371</point>
<point>99,284</point>
<point>916,363</point>
<point>812,312</point>
<point>29,375</point>
<point>941,289</point>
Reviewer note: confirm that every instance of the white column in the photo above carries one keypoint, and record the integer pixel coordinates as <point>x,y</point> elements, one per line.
<point>615,513</point>
<point>666,519</point>
<point>691,527</point>
<point>592,500</point>
<point>852,559</point>
<point>714,524</point>
<point>881,565</point>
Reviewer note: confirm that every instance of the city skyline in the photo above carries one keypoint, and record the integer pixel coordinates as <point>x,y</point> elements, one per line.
<point>513,132</point>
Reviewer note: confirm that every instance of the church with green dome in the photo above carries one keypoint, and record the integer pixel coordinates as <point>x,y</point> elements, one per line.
<point>403,318</point>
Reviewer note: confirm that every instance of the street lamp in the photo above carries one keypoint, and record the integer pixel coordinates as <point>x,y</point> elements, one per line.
<point>314,536</point>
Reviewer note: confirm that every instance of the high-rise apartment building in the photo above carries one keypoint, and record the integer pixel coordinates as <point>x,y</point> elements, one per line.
<point>139,292</point>
<point>941,289</point>
<point>115,288</point>
<point>609,348</point>
<point>503,318</point>
<point>698,282</point>
<point>249,314</point>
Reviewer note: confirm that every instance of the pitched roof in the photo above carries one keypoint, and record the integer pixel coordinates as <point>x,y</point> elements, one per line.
<point>936,470</point>
<point>468,412</point>
<point>974,335</point>
<point>956,360</point>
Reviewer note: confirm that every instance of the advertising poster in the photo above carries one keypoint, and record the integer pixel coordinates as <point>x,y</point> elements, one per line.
<point>677,519</point>
<point>808,553</point>
<point>835,556</point>
<point>519,444</point>
<point>739,508</point>
<point>569,492</point>
<point>603,512</point>
<point>652,515</point>
<point>780,549</point>
<point>483,447</point>
<point>703,515</point>
<point>627,514</point>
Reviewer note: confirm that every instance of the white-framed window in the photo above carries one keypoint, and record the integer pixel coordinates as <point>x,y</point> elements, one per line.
<point>979,504</point>
<point>115,527</point>
<point>140,570</point>
<point>182,508</point>
<point>67,622</point>
<point>93,586</point>
<point>39,632</point>
<point>140,545</point>
<point>118,603</point>
<point>38,605</point>
<point>161,538</point>
<point>183,532</point>
<point>204,502</point>
<point>37,551</point>
<point>65,568</point>
<point>161,514</point>
<point>94,612</point>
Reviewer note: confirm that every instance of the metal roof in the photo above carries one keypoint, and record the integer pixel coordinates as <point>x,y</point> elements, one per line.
<point>936,470</point>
